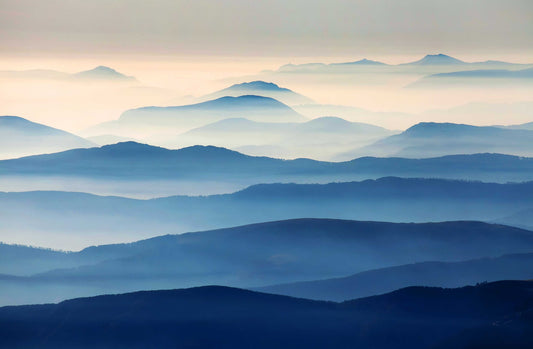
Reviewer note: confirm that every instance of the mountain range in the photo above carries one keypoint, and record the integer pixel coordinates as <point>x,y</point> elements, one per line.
<point>320,138</point>
<point>482,76</point>
<point>146,121</point>
<point>430,139</point>
<point>429,63</point>
<point>95,219</point>
<point>21,137</point>
<point>259,255</point>
<point>100,73</point>
<point>437,274</point>
<point>493,315</point>
<point>131,160</point>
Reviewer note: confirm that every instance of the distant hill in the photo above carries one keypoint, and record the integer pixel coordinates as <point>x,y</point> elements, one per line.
<point>480,77</point>
<point>431,63</point>
<point>438,59</point>
<point>441,274</point>
<point>525,126</point>
<point>430,139</point>
<point>522,218</point>
<point>130,160</point>
<point>146,121</point>
<point>363,61</point>
<point>21,137</point>
<point>410,318</point>
<point>102,73</point>
<point>262,254</point>
<point>319,138</point>
<point>261,88</point>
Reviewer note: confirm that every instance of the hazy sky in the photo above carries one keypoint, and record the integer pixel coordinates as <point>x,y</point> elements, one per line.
<point>495,28</point>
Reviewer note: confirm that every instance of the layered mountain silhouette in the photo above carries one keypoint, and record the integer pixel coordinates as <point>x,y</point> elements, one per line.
<point>430,139</point>
<point>320,138</point>
<point>429,63</point>
<point>261,88</point>
<point>522,218</point>
<point>257,255</point>
<point>481,77</point>
<point>98,219</point>
<point>21,137</point>
<point>415,317</point>
<point>439,274</point>
<point>133,160</point>
<point>142,122</point>
<point>101,73</point>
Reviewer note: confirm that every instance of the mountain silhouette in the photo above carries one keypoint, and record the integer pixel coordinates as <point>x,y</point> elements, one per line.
<point>102,73</point>
<point>102,219</point>
<point>431,63</point>
<point>21,137</point>
<point>441,274</point>
<point>438,59</point>
<point>256,255</point>
<point>319,138</point>
<point>430,139</point>
<point>261,88</point>
<point>146,121</point>
<point>477,77</point>
<point>214,316</point>
<point>131,160</point>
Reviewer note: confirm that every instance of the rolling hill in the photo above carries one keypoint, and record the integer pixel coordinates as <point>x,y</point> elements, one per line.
<point>413,318</point>
<point>131,160</point>
<point>21,137</point>
<point>430,139</point>
<point>319,138</point>
<point>264,254</point>
<point>74,220</point>
<point>146,121</point>
<point>438,274</point>
<point>261,88</point>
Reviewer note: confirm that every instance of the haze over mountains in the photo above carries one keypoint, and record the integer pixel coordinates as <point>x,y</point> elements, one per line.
<point>437,139</point>
<point>139,170</point>
<point>437,274</point>
<point>101,73</point>
<point>431,62</point>
<point>320,138</point>
<point>260,88</point>
<point>493,315</point>
<point>258,255</point>
<point>182,118</point>
<point>100,219</point>
<point>21,137</point>
<point>267,189</point>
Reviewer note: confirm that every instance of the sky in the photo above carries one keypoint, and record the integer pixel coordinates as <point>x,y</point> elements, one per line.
<point>278,28</point>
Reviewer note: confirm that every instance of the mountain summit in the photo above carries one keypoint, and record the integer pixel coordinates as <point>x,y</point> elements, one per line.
<point>438,59</point>
<point>261,88</point>
<point>102,73</point>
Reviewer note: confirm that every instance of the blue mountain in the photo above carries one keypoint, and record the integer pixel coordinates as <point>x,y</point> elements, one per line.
<point>21,137</point>
<point>261,88</point>
<point>429,139</point>
<point>493,315</point>
<point>134,160</point>
<point>437,274</point>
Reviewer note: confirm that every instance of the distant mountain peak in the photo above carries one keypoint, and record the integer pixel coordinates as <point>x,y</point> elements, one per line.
<point>363,61</point>
<point>258,85</point>
<point>437,59</point>
<point>103,72</point>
